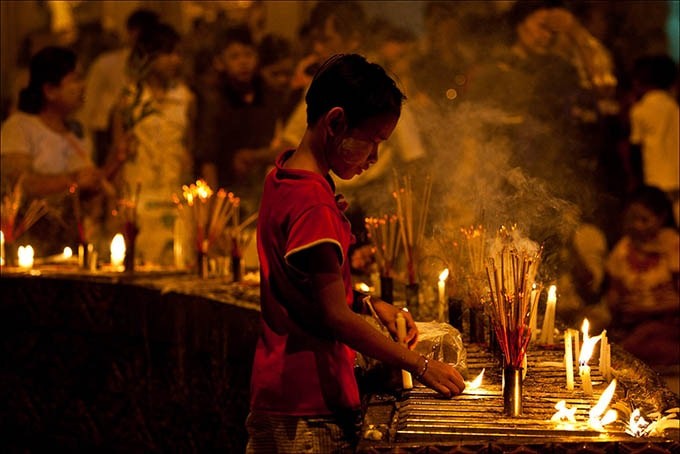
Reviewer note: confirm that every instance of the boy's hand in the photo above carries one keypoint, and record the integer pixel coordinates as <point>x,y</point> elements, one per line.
<point>388,316</point>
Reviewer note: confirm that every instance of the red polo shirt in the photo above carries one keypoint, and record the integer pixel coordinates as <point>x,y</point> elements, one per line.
<point>294,372</point>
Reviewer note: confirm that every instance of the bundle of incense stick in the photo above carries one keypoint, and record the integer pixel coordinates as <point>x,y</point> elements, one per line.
<point>206,212</point>
<point>475,240</point>
<point>412,224</point>
<point>383,232</point>
<point>239,239</point>
<point>11,224</point>
<point>511,274</point>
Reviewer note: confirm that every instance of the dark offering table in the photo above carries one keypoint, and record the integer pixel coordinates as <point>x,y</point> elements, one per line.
<point>160,362</point>
<point>152,362</point>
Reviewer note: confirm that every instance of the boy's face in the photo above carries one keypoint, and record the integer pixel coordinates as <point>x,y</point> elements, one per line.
<point>238,61</point>
<point>167,65</point>
<point>355,150</point>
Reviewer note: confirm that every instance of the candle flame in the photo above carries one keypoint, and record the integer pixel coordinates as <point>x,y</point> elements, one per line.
<point>552,293</point>
<point>68,252</point>
<point>363,287</point>
<point>444,275</point>
<point>25,254</point>
<point>563,413</point>
<point>588,344</point>
<point>596,421</point>
<point>117,250</point>
<point>477,382</point>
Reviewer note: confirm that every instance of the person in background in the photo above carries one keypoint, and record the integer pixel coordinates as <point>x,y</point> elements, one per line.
<point>275,54</point>
<point>156,113</point>
<point>237,121</point>
<point>304,395</point>
<point>335,28</point>
<point>655,126</point>
<point>644,273</point>
<point>106,78</point>
<point>42,145</point>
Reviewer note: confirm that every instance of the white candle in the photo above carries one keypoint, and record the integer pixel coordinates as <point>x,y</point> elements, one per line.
<point>568,359</point>
<point>576,341</point>
<point>441,286</point>
<point>586,384</point>
<point>547,332</point>
<point>584,357</point>
<point>25,255</point>
<point>117,251</point>
<point>534,312</point>
<point>2,248</point>
<point>406,379</point>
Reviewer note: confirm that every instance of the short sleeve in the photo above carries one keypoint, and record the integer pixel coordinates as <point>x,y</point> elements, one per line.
<point>13,137</point>
<point>317,225</point>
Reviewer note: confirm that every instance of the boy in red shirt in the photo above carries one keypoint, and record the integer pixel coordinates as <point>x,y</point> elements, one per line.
<point>304,396</point>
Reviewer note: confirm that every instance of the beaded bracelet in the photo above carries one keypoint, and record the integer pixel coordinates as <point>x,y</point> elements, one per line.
<point>420,374</point>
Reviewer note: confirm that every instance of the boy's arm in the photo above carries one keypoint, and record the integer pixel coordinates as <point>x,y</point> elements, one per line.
<point>331,314</point>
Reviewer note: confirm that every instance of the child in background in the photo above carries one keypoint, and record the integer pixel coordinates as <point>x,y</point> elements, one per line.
<point>643,268</point>
<point>304,396</point>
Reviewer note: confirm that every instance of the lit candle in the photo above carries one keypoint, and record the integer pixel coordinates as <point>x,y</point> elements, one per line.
<point>547,332</point>
<point>406,380</point>
<point>441,286</point>
<point>2,248</point>
<point>118,251</point>
<point>535,293</point>
<point>584,357</point>
<point>25,255</point>
<point>568,359</point>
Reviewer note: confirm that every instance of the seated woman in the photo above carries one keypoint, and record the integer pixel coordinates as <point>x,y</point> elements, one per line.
<point>46,149</point>
<point>643,268</point>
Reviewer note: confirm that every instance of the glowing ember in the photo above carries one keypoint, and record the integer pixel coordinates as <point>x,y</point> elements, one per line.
<point>596,420</point>
<point>563,413</point>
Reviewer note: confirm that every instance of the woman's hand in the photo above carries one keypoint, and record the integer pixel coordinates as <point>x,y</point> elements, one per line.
<point>388,316</point>
<point>442,378</point>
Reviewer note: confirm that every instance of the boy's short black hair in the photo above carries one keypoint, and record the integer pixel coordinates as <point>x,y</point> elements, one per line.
<point>156,39</point>
<point>362,89</point>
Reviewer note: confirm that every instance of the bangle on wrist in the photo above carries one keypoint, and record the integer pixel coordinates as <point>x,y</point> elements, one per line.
<point>422,371</point>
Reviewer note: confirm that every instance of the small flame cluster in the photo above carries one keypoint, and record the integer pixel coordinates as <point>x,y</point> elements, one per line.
<point>207,212</point>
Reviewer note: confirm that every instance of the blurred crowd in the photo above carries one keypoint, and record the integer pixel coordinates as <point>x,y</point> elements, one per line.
<point>138,117</point>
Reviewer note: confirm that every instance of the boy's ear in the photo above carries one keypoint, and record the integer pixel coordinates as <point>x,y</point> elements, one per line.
<point>335,121</point>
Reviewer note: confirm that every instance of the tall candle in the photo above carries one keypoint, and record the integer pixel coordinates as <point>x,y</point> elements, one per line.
<point>2,248</point>
<point>605,353</point>
<point>25,255</point>
<point>406,379</point>
<point>547,332</point>
<point>586,384</point>
<point>534,312</point>
<point>568,359</point>
<point>441,287</point>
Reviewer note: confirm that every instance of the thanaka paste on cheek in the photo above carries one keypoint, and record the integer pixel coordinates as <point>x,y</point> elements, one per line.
<point>353,150</point>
